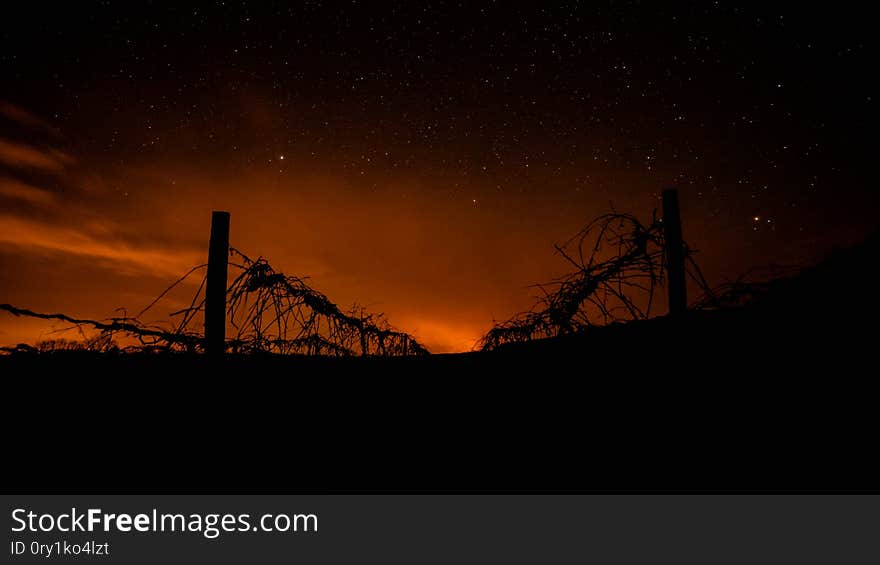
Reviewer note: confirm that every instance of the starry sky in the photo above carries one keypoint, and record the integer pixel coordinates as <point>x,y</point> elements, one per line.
<point>419,158</point>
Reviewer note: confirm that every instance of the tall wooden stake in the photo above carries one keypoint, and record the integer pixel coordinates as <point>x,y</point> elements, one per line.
<point>215,293</point>
<point>674,252</point>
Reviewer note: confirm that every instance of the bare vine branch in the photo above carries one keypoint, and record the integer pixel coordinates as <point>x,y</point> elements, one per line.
<point>269,311</point>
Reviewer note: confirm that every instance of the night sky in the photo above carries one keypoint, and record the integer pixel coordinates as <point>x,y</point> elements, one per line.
<point>418,158</point>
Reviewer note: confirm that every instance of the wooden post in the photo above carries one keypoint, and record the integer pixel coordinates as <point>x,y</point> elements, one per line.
<point>215,293</point>
<point>674,252</point>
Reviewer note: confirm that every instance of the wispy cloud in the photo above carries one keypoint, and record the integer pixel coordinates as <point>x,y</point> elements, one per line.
<point>21,156</point>
<point>15,190</point>
<point>122,256</point>
<point>23,117</point>
<point>69,225</point>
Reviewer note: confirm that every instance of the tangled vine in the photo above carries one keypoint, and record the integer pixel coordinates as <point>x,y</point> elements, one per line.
<point>268,311</point>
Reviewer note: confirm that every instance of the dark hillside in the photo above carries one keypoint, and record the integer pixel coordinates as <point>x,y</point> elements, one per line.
<point>778,394</point>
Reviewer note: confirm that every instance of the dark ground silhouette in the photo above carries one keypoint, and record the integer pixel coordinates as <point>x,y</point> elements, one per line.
<point>774,395</point>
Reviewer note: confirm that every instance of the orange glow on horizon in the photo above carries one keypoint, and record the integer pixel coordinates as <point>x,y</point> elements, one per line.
<point>441,255</point>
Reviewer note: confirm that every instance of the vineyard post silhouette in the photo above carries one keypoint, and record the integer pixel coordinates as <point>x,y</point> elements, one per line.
<point>675,253</point>
<point>215,293</point>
